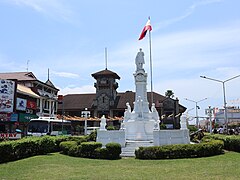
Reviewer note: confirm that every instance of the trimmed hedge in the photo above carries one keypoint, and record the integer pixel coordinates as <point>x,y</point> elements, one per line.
<point>214,147</point>
<point>29,146</point>
<point>66,145</point>
<point>113,150</point>
<point>87,149</point>
<point>91,150</point>
<point>231,143</point>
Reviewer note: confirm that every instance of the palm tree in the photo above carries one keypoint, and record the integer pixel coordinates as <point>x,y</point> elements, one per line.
<point>169,93</point>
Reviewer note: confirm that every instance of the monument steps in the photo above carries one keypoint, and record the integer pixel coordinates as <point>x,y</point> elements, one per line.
<point>131,146</point>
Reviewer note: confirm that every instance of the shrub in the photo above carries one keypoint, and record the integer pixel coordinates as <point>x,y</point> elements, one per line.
<point>231,143</point>
<point>65,146</point>
<point>180,150</point>
<point>192,128</point>
<point>92,136</point>
<point>6,151</point>
<point>163,126</point>
<point>87,149</point>
<point>75,151</point>
<point>101,153</point>
<point>109,128</point>
<point>25,148</point>
<point>114,150</point>
<point>58,140</point>
<point>47,144</point>
<point>29,146</point>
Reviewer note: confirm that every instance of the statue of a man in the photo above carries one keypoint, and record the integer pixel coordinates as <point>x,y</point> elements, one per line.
<point>139,60</point>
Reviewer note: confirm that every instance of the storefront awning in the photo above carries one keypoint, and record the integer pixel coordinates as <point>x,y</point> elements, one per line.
<point>26,90</point>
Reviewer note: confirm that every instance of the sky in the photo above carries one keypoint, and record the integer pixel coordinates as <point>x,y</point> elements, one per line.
<point>190,38</point>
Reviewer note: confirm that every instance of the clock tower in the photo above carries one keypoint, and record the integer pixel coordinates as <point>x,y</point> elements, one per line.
<point>106,92</point>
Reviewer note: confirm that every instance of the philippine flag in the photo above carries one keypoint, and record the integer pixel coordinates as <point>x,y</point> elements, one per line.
<point>146,28</point>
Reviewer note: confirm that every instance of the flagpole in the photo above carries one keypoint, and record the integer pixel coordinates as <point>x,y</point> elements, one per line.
<point>150,56</point>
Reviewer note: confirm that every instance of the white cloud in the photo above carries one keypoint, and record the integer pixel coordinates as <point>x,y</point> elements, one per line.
<point>51,8</point>
<point>77,90</point>
<point>65,74</point>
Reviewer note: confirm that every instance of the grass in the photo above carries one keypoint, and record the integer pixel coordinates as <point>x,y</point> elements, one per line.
<point>58,166</point>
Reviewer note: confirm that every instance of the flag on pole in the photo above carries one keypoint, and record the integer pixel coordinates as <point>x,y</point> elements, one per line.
<point>146,28</point>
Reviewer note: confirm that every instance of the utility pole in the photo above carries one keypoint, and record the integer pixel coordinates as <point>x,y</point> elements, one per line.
<point>224,96</point>
<point>197,107</point>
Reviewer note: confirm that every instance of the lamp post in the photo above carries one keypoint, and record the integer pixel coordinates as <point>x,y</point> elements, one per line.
<point>197,107</point>
<point>209,112</point>
<point>224,96</point>
<point>85,114</point>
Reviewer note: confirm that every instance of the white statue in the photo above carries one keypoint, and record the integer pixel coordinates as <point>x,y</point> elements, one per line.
<point>122,126</point>
<point>140,60</point>
<point>155,116</point>
<point>183,122</point>
<point>127,113</point>
<point>103,124</point>
<point>128,107</point>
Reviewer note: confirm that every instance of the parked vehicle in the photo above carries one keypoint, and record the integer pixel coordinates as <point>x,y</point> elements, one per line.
<point>48,126</point>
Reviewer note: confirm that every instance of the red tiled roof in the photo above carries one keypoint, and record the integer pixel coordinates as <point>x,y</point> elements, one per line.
<point>81,101</point>
<point>77,101</point>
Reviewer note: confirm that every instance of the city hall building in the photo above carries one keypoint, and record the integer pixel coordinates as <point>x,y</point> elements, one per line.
<point>107,101</point>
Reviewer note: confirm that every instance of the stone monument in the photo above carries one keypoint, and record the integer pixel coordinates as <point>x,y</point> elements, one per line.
<point>140,122</point>
<point>140,126</point>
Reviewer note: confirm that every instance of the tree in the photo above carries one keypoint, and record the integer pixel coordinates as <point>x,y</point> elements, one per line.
<point>169,93</point>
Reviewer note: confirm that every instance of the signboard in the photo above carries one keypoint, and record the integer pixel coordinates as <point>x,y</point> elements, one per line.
<point>5,116</point>
<point>21,104</point>
<point>14,117</point>
<point>31,105</point>
<point>10,135</point>
<point>23,117</point>
<point>7,92</point>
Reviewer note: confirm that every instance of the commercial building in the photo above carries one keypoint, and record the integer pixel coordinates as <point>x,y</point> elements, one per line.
<point>23,97</point>
<point>233,115</point>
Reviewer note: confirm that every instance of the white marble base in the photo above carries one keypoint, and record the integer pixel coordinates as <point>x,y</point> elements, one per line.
<point>139,130</point>
<point>167,137</point>
<point>111,136</point>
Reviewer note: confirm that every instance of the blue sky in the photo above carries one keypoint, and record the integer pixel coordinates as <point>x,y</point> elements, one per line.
<point>189,38</point>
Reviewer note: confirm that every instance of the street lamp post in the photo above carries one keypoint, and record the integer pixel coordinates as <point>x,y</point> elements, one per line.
<point>209,112</point>
<point>85,114</point>
<point>197,107</point>
<point>224,96</point>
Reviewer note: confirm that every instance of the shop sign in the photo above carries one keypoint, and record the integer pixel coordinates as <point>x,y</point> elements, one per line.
<point>5,117</point>
<point>10,135</point>
<point>23,117</point>
<point>31,105</point>
<point>7,91</point>
<point>21,104</point>
<point>14,117</point>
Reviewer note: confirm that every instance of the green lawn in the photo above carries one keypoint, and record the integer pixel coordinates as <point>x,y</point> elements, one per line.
<point>58,166</point>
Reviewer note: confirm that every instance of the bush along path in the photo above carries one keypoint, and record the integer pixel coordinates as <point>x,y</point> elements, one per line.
<point>79,146</point>
<point>85,146</point>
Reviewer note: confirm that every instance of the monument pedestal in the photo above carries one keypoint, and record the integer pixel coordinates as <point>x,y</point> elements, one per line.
<point>139,130</point>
